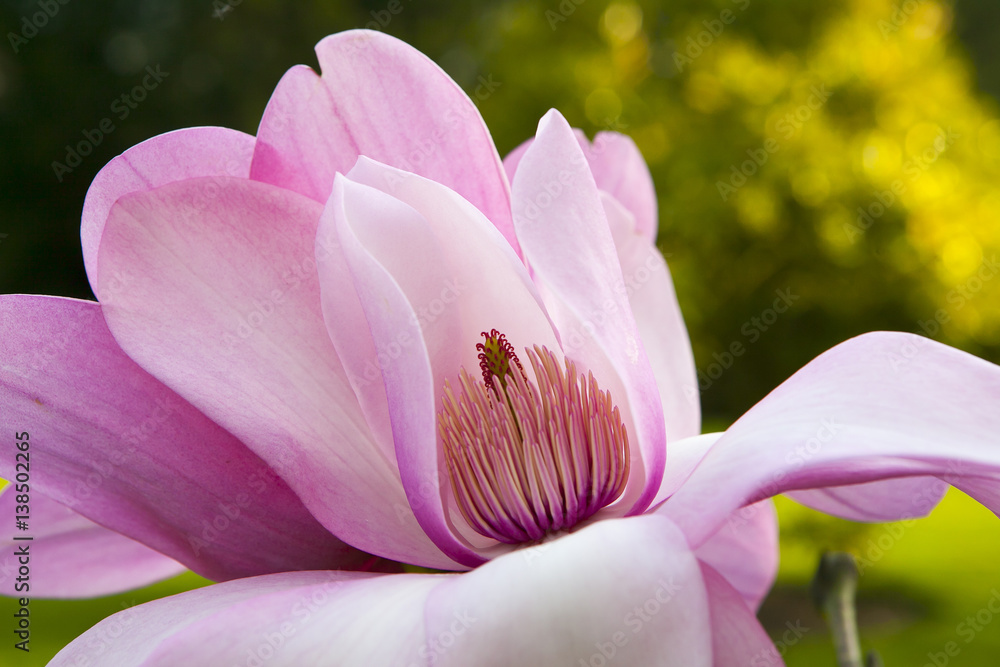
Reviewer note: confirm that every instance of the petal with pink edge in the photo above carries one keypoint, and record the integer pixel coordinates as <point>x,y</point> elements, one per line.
<point>745,547</point>
<point>156,628</point>
<point>619,170</point>
<point>737,636</point>
<point>431,274</point>
<point>567,243</point>
<point>223,306</point>
<point>683,456</point>
<point>658,317</point>
<point>381,98</point>
<point>879,406</point>
<point>626,590</point>
<point>174,156</point>
<point>884,500</point>
<point>350,334</point>
<point>73,557</point>
<point>745,551</point>
<point>631,588</point>
<point>114,444</point>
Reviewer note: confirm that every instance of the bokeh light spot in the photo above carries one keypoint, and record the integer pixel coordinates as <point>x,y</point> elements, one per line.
<point>621,22</point>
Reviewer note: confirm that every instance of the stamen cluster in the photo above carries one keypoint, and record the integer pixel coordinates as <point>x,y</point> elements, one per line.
<point>530,458</point>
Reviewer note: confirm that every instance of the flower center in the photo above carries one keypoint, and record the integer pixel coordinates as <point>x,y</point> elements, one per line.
<point>530,458</point>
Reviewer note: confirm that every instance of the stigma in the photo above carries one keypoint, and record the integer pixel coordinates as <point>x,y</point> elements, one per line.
<point>527,458</point>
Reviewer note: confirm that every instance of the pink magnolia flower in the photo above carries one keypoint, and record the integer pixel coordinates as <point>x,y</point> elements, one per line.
<point>360,336</point>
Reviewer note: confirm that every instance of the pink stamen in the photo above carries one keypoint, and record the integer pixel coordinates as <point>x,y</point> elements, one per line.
<point>530,458</point>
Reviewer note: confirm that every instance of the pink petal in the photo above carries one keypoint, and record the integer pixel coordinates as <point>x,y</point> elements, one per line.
<point>370,621</point>
<point>513,159</point>
<point>683,456</point>
<point>745,551</point>
<point>649,287</point>
<point>884,500</point>
<point>72,557</point>
<point>737,637</point>
<point>381,98</point>
<point>629,589</point>
<point>136,635</point>
<point>174,156</point>
<point>619,170</point>
<point>880,406</point>
<point>659,321</point>
<point>566,240</point>
<point>431,273</point>
<point>117,446</point>
<point>745,547</point>
<point>224,307</point>
<point>351,335</point>
<point>621,591</point>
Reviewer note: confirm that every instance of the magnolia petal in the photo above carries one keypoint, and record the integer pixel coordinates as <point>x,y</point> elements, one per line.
<point>513,159</point>
<point>147,634</point>
<point>745,551</point>
<point>250,348</point>
<point>737,636</point>
<point>432,273</point>
<point>630,589</point>
<point>73,557</point>
<point>340,621</point>
<point>352,338</point>
<point>566,240</point>
<point>381,98</point>
<point>619,170</point>
<point>745,548</point>
<point>174,156</point>
<point>885,500</point>
<point>683,456</point>
<point>627,590</point>
<point>879,406</point>
<point>647,282</point>
<point>659,321</point>
<point>111,442</point>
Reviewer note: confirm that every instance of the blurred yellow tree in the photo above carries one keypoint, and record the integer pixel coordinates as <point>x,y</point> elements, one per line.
<point>836,151</point>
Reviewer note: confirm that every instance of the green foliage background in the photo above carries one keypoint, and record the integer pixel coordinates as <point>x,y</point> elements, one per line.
<point>698,84</point>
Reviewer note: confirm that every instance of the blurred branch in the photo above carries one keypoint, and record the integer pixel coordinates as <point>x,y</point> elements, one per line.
<point>833,590</point>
